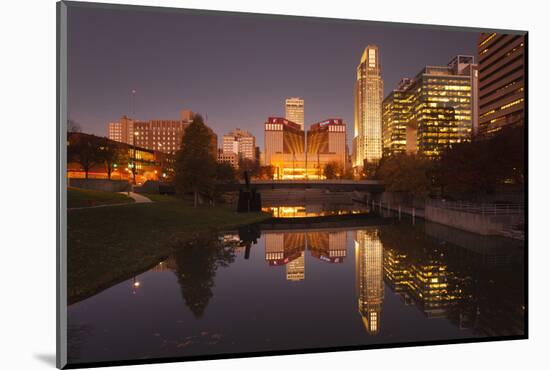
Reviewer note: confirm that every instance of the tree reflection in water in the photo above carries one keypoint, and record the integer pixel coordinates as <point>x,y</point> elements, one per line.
<point>196,265</point>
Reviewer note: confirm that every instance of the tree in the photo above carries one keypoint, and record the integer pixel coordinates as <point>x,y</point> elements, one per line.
<point>110,153</point>
<point>73,126</point>
<point>84,150</point>
<point>225,173</point>
<point>406,173</point>
<point>266,172</point>
<point>250,166</point>
<point>348,173</point>
<point>195,162</point>
<point>479,166</point>
<point>369,169</point>
<point>333,170</point>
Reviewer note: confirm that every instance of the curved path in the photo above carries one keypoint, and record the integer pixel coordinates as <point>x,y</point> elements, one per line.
<point>137,197</point>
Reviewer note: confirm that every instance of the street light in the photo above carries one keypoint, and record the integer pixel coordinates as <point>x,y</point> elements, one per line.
<point>136,134</point>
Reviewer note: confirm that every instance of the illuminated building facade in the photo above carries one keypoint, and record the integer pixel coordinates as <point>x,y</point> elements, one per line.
<point>115,131</point>
<point>326,143</point>
<point>242,143</point>
<point>122,131</point>
<point>369,90</point>
<point>501,60</point>
<point>369,278</point>
<point>444,105</point>
<point>294,111</point>
<point>228,157</point>
<point>285,147</point>
<point>150,164</point>
<point>438,106</point>
<point>161,135</point>
<point>396,111</point>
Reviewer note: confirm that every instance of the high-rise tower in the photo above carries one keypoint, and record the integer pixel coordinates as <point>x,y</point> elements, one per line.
<point>294,111</point>
<point>369,91</point>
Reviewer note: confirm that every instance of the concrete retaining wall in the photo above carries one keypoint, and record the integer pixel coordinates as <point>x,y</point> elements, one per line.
<point>472,222</point>
<point>100,184</point>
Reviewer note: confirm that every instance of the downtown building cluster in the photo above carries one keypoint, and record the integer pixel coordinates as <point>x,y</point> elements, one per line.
<point>432,111</point>
<point>425,114</point>
<point>441,105</point>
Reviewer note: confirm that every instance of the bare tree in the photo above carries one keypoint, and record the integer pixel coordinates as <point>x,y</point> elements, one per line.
<point>84,150</point>
<point>110,153</point>
<point>73,126</point>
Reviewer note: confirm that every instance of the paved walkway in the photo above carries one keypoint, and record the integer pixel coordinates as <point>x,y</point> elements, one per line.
<point>137,197</point>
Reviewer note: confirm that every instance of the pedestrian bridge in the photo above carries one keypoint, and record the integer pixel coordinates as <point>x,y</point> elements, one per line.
<point>371,186</point>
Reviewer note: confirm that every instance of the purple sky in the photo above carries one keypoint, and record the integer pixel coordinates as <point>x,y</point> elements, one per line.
<point>237,69</point>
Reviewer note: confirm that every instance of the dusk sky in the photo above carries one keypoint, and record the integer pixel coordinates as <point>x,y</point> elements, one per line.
<point>235,69</point>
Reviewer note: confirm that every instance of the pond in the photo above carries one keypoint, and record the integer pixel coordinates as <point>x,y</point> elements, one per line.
<point>263,288</point>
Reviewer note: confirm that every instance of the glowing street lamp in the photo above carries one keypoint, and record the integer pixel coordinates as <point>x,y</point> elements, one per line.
<point>136,134</point>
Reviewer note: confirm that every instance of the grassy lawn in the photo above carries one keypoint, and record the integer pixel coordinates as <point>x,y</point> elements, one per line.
<point>86,198</point>
<point>107,245</point>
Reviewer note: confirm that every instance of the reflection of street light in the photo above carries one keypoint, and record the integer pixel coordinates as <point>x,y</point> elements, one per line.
<point>135,285</point>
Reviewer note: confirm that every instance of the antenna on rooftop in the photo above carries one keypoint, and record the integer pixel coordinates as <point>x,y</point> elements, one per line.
<point>133,103</point>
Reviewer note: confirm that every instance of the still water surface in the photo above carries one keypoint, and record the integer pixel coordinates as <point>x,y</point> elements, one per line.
<point>261,290</point>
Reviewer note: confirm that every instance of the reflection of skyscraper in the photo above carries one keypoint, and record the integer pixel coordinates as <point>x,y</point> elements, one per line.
<point>369,278</point>
<point>369,90</point>
<point>274,248</point>
<point>328,246</point>
<point>434,286</point>
<point>396,270</point>
<point>423,278</point>
<point>287,249</point>
<point>295,269</point>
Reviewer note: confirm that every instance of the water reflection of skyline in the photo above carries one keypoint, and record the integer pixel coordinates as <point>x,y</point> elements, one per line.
<point>416,269</point>
<point>288,248</point>
<point>381,284</point>
<point>369,278</point>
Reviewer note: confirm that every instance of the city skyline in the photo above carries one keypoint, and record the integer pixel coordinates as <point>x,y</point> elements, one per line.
<point>321,73</point>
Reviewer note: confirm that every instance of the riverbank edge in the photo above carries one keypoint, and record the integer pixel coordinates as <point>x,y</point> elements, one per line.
<point>171,244</point>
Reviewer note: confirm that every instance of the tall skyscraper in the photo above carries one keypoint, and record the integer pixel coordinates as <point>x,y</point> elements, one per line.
<point>369,276</point>
<point>396,111</point>
<point>433,111</point>
<point>445,105</point>
<point>501,60</point>
<point>242,143</point>
<point>294,111</point>
<point>369,91</point>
